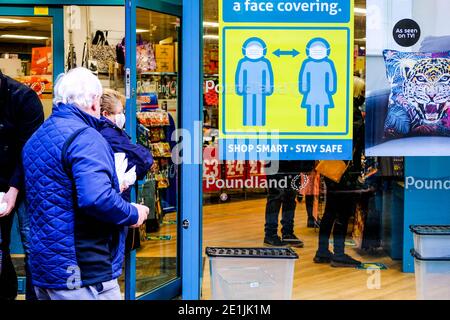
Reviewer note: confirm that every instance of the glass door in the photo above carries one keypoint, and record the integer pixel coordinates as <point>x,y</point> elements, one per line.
<point>153,106</point>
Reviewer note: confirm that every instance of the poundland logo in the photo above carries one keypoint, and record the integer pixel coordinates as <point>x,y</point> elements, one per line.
<point>427,184</point>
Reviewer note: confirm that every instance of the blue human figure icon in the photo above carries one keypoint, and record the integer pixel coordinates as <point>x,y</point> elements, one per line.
<point>254,81</point>
<point>318,82</point>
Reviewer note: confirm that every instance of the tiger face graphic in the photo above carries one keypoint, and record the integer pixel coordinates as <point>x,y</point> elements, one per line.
<point>427,89</point>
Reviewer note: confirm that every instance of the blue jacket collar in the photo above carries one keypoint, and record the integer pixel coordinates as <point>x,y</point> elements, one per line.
<point>71,110</point>
<point>108,123</point>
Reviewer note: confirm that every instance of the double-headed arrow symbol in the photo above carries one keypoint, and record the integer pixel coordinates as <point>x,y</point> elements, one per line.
<point>292,53</point>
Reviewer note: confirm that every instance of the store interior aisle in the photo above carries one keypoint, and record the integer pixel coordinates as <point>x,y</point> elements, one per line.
<point>236,224</point>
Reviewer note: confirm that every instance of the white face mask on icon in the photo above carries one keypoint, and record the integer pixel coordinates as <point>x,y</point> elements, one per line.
<point>254,52</point>
<point>120,120</point>
<point>318,52</point>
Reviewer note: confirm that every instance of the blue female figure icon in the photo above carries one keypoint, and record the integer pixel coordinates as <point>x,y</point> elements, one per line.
<point>254,81</point>
<point>318,82</point>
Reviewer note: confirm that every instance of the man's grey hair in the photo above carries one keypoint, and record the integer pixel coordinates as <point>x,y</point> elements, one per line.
<point>79,86</point>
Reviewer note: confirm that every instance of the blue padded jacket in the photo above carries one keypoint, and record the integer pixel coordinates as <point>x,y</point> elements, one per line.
<point>77,216</point>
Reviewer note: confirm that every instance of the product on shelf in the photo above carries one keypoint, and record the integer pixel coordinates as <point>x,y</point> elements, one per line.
<point>147,101</point>
<point>211,59</point>
<point>153,119</point>
<point>157,135</point>
<point>162,181</point>
<point>211,98</point>
<point>165,60</point>
<point>40,84</point>
<point>143,134</point>
<point>41,61</point>
<point>161,149</point>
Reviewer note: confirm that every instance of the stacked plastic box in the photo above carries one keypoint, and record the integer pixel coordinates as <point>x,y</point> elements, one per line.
<point>432,262</point>
<point>251,273</point>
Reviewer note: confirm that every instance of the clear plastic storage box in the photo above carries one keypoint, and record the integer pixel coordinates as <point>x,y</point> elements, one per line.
<point>432,277</point>
<point>251,273</point>
<point>432,241</point>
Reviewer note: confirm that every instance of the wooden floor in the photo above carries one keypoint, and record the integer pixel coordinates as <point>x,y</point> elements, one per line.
<point>241,223</point>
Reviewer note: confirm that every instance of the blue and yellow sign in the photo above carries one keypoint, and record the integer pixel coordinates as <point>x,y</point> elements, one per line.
<point>286,78</point>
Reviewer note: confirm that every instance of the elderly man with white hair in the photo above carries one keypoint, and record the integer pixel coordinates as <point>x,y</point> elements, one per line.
<point>78,219</point>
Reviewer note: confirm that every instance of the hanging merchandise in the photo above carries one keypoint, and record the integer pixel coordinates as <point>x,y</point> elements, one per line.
<point>72,55</point>
<point>145,56</point>
<point>71,58</point>
<point>85,58</point>
<point>101,52</point>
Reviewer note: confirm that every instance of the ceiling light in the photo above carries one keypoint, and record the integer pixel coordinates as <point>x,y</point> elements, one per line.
<point>142,30</point>
<point>12,21</point>
<point>17,36</point>
<point>211,36</point>
<point>360,11</point>
<point>210,24</point>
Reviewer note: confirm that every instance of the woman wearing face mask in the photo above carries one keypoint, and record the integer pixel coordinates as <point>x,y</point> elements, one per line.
<point>318,83</point>
<point>342,197</point>
<point>114,121</point>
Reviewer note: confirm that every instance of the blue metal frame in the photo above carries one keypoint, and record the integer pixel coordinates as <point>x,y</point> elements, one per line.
<point>130,62</point>
<point>191,174</point>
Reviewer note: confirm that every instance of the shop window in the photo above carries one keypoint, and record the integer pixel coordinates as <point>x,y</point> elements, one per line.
<point>26,54</point>
<point>238,198</point>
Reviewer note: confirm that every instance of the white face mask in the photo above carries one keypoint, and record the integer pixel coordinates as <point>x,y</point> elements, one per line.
<point>318,52</point>
<point>254,52</point>
<point>120,120</point>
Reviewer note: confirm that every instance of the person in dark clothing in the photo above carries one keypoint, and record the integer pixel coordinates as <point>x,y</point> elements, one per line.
<point>21,114</point>
<point>112,110</point>
<point>341,200</point>
<point>282,195</point>
<point>309,204</point>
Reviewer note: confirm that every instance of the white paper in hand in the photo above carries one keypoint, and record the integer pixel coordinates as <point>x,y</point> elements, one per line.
<point>121,166</point>
<point>130,177</point>
<point>3,205</point>
<point>125,178</point>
